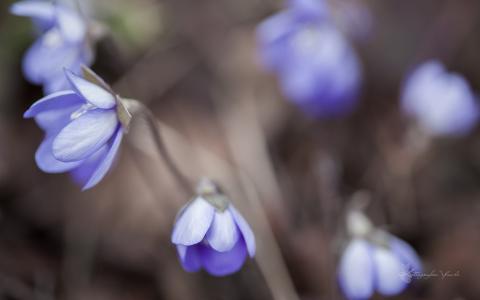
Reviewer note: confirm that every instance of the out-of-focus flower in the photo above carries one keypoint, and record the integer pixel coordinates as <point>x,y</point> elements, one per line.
<point>441,102</point>
<point>317,67</point>
<point>375,261</point>
<point>63,43</point>
<point>82,128</point>
<point>211,234</point>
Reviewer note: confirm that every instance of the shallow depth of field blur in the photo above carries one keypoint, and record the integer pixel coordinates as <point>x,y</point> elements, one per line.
<point>195,64</point>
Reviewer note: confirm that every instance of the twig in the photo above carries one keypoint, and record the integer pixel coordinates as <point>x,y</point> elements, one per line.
<point>140,110</point>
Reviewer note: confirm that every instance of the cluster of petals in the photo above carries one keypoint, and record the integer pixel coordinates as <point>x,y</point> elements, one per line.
<point>62,43</point>
<point>317,67</point>
<point>218,241</point>
<point>375,261</point>
<point>442,103</point>
<point>82,130</point>
<point>366,267</point>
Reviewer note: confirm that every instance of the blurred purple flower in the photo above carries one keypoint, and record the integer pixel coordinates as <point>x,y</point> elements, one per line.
<point>441,102</point>
<point>317,67</point>
<point>216,239</point>
<point>63,43</point>
<point>366,267</point>
<point>82,130</point>
<point>375,260</point>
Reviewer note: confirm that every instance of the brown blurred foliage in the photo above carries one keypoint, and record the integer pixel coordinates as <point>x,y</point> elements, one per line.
<point>224,117</point>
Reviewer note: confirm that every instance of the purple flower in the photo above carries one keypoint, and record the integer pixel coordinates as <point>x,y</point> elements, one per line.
<point>366,267</point>
<point>63,43</point>
<point>316,65</point>
<point>211,234</point>
<point>375,260</point>
<point>82,129</point>
<point>441,102</point>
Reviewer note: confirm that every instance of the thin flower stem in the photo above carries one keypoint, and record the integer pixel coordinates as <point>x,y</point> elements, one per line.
<point>162,149</point>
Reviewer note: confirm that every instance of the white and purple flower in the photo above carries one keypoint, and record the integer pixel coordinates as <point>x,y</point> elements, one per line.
<point>375,261</point>
<point>63,43</point>
<point>317,67</point>
<point>441,102</point>
<point>211,234</point>
<point>82,128</point>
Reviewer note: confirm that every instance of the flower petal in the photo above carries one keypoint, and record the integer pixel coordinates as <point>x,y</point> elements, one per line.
<point>71,24</point>
<point>223,263</point>
<point>356,272</point>
<point>106,163</point>
<point>42,12</point>
<point>56,83</point>
<point>85,135</point>
<point>390,272</point>
<point>245,229</point>
<point>310,9</point>
<point>48,163</point>
<point>56,101</point>
<point>45,56</point>
<point>50,54</point>
<point>189,257</point>
<point>223,233</point>
<point>91,92</point>
<point>406,254</point>
<point>272,36</point>
<point>84,172</point>
<point>193,223</point>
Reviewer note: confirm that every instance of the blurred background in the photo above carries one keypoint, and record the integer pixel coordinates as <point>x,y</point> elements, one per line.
<point>194,63</point>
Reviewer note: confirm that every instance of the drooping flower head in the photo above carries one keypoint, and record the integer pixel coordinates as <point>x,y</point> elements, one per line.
<point>63,43</point>
<point>317,67</point>
<point>211,234</point>
<point>441,102</point>
<point>375,261</point>
<point>83,128</point>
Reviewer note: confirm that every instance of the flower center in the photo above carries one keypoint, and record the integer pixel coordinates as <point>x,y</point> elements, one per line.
<point>211,193</point>
<point>82,110</point>
<point>219,201</point>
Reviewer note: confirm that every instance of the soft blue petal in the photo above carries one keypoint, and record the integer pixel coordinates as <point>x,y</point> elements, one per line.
<point>46,59</point>
<point>71,24</point>
<point>84,172</point>
<point>223,233</point>
<point>52,121</point>
<point>93,93</point>
<point>47,162</point>
<point>56,83</point>
<point>41,11</point>
<point>189,257</point>
<point>50,54</point>
<point>55,101</point>
<point>85,135</point>
<point>46,56</point>
<point>390,272</point>
<point>193,223</point>
<point>356,271</point>
<point>272,36</point>
<point>223,263</point>
<point>406,254</point>
<point>107,161</point>
<point>245,229</point>
<point>309,9</point>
